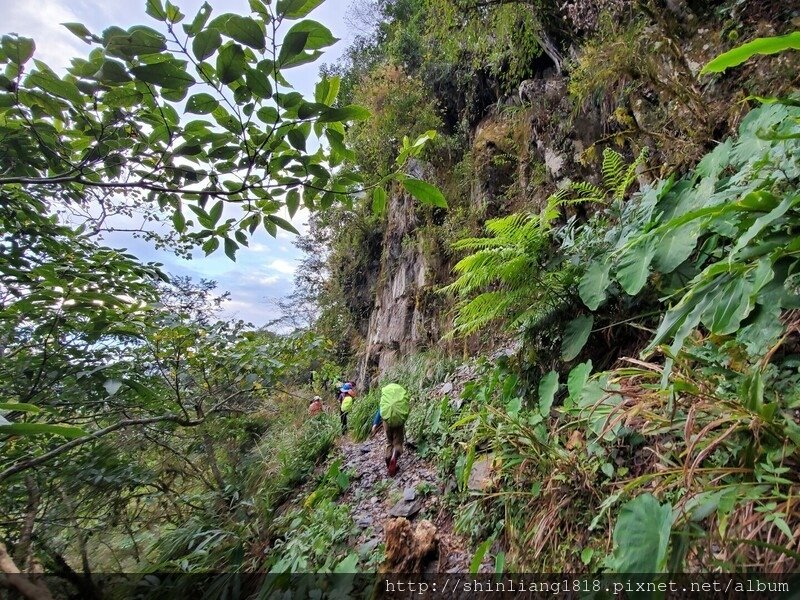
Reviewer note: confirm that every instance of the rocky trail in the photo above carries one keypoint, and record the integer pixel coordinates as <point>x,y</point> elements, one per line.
<point>403,512</point>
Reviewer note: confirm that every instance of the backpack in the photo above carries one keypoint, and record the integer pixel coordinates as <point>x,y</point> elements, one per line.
<point>394,404</point>
<point>347,403</point>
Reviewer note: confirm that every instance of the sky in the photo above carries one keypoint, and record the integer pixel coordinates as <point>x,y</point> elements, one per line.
<point>264,271</point>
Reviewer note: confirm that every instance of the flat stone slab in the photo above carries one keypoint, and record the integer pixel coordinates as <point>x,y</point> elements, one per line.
<point>406,509</point>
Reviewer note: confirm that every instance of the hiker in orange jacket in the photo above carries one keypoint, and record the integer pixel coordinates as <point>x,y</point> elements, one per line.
<point>315,407</point>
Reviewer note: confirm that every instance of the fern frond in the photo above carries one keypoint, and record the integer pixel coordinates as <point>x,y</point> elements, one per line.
<point>587,192</point>
<point>613,168</point>
<point>630,175</point>
<point>480,311</point>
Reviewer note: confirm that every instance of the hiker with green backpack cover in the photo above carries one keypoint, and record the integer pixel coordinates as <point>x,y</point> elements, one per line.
<point>394,409</point>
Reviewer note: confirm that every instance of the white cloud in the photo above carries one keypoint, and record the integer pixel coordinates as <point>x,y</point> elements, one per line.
<point>257,247</point>
<point>269,279</point>
<point>283,266</point>
<point>42,21</point>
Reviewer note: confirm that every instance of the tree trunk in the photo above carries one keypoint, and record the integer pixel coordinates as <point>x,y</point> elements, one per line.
<point>211,455</point>
<point>22,583</point>
<point>22,553</point>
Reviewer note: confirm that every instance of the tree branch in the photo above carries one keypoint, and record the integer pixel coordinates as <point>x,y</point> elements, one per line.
<point>35,462</point>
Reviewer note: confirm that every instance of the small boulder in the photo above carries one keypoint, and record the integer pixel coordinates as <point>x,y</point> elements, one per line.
<point>406,508</point>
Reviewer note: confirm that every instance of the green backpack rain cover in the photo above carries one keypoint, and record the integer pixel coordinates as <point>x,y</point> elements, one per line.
<point>394,404</point>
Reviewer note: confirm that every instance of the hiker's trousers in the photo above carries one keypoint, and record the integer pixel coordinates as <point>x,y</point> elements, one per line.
<point>395,435</point>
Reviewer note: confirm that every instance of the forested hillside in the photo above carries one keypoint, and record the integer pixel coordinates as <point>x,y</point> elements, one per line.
<point>569,231</point>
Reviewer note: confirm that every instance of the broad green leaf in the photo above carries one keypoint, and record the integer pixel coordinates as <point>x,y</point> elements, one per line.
<point>348,564</point>
<point>215,214</point>
<point>683,317</point>
<point>292,202</point>
<point>58,87</point>
<point>297,139</point>
<point>156,10</point>
<point>763,332</point>
<point>268,114</point>
<point>593,284</point>
<point>641,536</point>
<point>301,58</point>
<point>42,428</point>
<point>79,30</point>
<point>164,74</point>
<point>764,221</point>
<point>231,63</point>
<point>210,245</point>
<point>326,90</point>
<point>136,42</point>
<point>308,109</point>
<point>732,305</point>
<point>575,335</point>
<point>634,266</point>
<point>738,55</point>
<point>350,112</point>
<point>230,248</point>
<point>548,386</point>
<point>675,247</point>
<point>246,31</point>
<point>20,406</point>
<point>174,15</point>
<point>378,200</point>
<point>199,21</point>
<point>201,104</point>
<point>293,44</point>
<point>206,43</point>
<point>577,378</point>
<point>424,192</point>
<point>112,71</point>
<point>122,97</point>
<point>283,224</point>
<point>179,221</point>
<point>258,83</point>
<point>296,9</point>
<point>18,50</point>
<point>319,36</point>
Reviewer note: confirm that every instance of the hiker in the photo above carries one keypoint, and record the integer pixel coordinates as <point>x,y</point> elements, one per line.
<point>346,396</point>
<point>315,407</point>
<point>394,412</point>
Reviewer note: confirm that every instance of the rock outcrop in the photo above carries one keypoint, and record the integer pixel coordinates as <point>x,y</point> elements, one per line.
<point>397,324</point>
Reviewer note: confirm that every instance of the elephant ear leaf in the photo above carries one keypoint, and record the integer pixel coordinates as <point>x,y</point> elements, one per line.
<point>634,267</point>
<point>548,386</point>
<point>575,336</point>
<point>641,536</point>
<point>675,247</point>
<point>594,282</point>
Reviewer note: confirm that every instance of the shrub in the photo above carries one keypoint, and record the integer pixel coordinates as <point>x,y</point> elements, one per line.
<point>400,105</point>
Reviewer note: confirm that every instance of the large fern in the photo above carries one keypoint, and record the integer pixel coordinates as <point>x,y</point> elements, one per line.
<point>505,277</point>
<point>509,275</point>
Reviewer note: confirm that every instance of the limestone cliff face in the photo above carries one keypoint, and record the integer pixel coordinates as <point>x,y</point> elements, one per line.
<point>518,157</point>
<point>397,324</point>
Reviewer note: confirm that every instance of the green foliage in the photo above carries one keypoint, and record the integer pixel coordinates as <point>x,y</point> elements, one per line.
<point>740,54</point>
<point>641,536</point>
<point>313,537</point>
<point>359,421</point>
<point>510,264</point>
<point>113,122</point>
<point>725,233</point>
<point>401,107</point>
